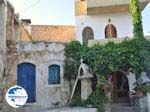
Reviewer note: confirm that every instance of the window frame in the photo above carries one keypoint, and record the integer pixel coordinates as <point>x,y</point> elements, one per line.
<point>60,64</point>
<point>84,38</point>
<point>111,29</point>
<point>58,74</point>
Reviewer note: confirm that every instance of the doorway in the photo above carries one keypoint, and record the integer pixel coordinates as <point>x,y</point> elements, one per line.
<point>121,88</point>
<point>26,79</point>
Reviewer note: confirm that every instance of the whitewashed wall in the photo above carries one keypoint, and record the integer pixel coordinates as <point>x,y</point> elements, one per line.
<point>122,22</point>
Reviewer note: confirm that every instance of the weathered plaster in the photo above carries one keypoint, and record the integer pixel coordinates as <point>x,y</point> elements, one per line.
<point>3,19</point>
<point>42,55</point>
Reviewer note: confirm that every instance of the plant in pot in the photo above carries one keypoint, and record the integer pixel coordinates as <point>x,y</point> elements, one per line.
<point>142,89</point>
<point>142,85</point>
<point>139,91</point>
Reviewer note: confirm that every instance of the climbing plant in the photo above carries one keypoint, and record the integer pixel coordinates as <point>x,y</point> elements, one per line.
<point>74,52</point>
<point>112,57</point>
<point>136,18</point>
<point>104,59</point>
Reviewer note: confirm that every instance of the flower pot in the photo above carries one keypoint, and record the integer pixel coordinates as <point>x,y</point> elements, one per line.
<point>139,93</point>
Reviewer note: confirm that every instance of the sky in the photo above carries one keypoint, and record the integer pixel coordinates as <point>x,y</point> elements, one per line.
<point>58,12</point>
<point>47,12</point>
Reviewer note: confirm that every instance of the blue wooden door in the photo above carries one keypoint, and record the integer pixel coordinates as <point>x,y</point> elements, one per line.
<point>26,79</point>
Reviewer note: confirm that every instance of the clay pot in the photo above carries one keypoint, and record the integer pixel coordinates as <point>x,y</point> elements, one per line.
<point>139,93</point>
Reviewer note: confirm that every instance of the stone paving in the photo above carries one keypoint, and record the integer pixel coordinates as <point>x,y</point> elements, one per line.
<point>115,107</point>
<point>62,109</point>
<point>121,107</point>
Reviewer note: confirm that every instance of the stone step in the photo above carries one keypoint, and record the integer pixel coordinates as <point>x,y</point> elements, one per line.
<point>61,109</point>
<point>77,109</point>
<point>121,107</point>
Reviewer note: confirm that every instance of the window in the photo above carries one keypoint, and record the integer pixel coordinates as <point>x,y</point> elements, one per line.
<point>54,74</point>
<point>110,31</point>
<point>87,34</point>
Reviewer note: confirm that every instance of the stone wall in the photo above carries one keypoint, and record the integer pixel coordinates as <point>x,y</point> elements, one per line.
<point>50,33</point>
<point>42,55</point>
<point>8,52</point>
<point>3,19</point>
<point>24,35</point>
<point>10,22</point>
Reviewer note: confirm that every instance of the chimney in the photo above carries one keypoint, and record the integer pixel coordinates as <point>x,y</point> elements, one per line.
<point>27,24</point>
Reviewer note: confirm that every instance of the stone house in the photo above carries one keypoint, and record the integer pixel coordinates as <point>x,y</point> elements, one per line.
<point>32,56</point>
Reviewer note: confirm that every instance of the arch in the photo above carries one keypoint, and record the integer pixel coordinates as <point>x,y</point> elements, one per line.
<point>28,61</point>
<point>87,34</point>
<point>110,31</point>
<point>54,74</point>
<point>121,87</point>
<point>26,78</point>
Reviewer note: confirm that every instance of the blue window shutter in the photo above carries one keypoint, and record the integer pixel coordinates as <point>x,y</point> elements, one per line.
<point>54,74</point>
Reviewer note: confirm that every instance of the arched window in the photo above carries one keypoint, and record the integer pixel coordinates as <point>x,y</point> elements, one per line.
<point>110,31</point>
<point>87,34</point>
<point>54,74</point>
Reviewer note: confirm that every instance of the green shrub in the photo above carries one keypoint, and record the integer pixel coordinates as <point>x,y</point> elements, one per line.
<point>136,19</point>
<point>105,59</point>
<point>99,100</point>
<point>145,88</point>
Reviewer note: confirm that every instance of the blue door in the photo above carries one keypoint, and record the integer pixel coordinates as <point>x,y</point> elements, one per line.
<point>26,79</point>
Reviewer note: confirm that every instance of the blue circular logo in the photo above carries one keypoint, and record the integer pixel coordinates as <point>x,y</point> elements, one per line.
<point>16,96</point>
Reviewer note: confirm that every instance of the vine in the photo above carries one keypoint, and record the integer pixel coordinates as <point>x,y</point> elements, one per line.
<point>136,18</point>
<point>112,57</point>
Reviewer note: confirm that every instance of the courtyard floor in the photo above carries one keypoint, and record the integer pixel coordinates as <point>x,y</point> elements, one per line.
<point>115,107</point>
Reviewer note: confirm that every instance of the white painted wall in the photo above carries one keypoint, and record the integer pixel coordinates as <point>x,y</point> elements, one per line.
<point>122,22</point>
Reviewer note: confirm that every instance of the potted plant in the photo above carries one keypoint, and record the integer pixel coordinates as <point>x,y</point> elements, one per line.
<point>139,91</point>
<point>142,89</point>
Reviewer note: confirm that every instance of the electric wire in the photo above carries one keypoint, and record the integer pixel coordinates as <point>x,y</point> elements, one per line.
<point>30,6</point>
